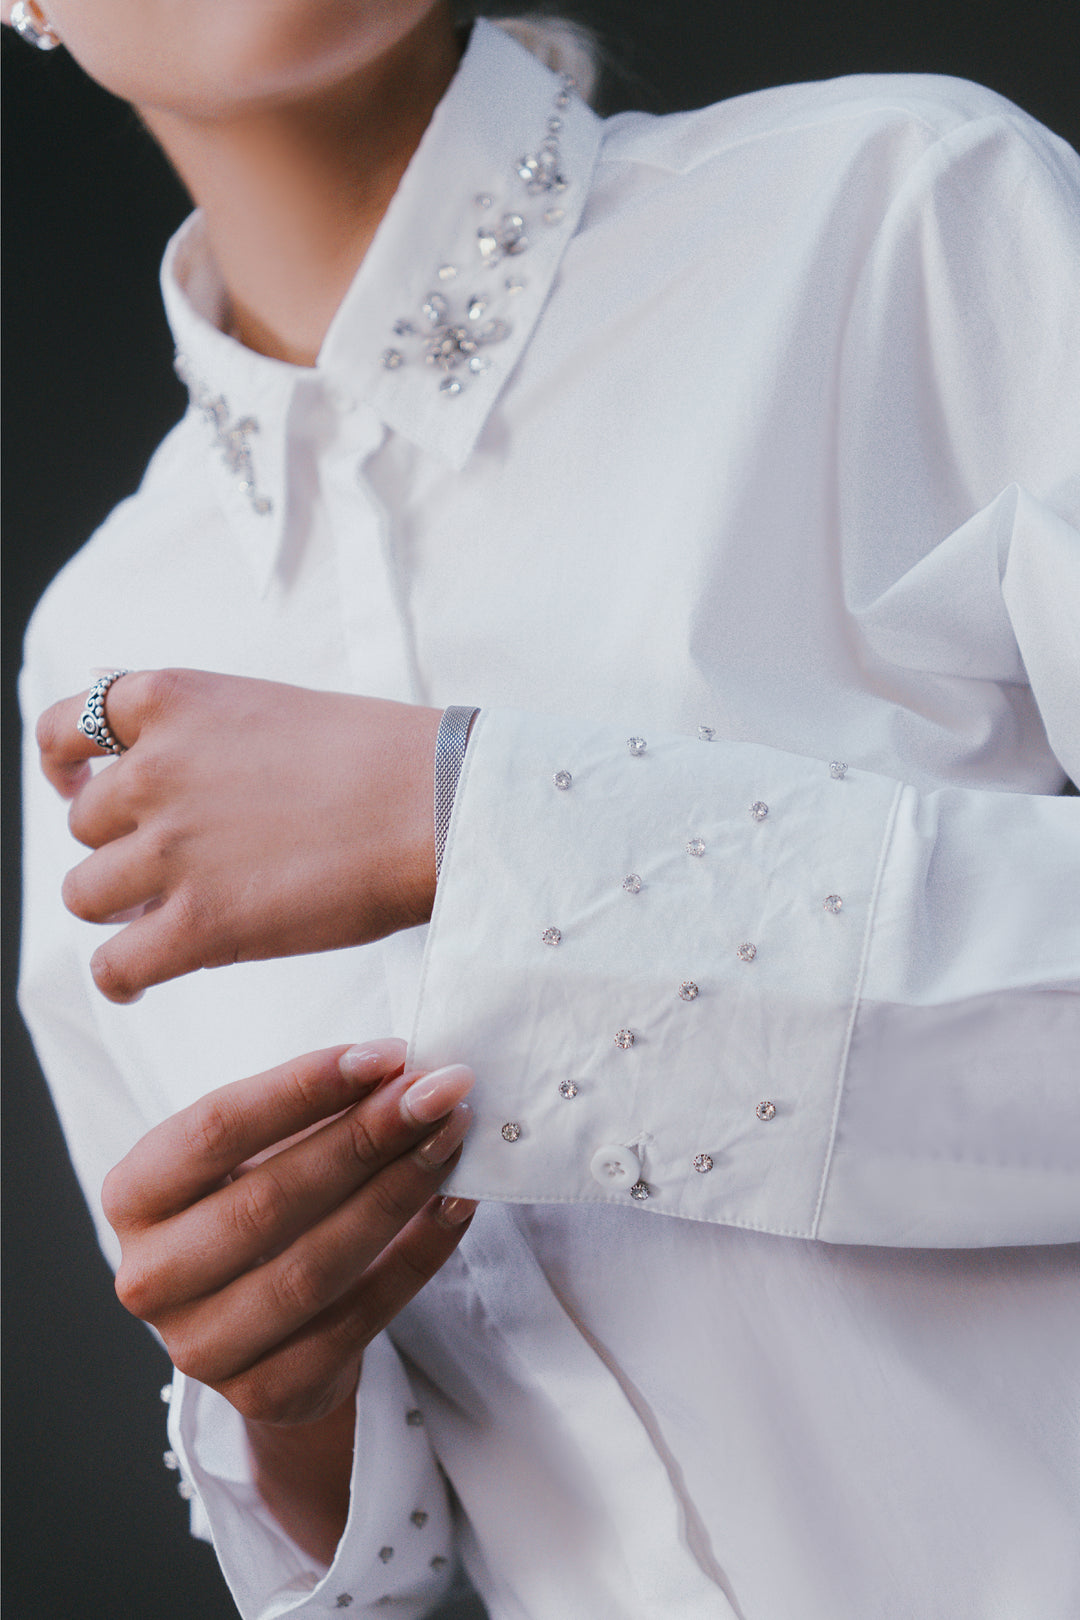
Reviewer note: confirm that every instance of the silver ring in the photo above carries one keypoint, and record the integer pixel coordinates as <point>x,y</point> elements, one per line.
<point>92,722</point>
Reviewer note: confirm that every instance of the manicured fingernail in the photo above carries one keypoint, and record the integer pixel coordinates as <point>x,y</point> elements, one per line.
<point>438,1148</point>
<point>455,1211</point>
<point>434,1094</point>
<point>370,1062</point>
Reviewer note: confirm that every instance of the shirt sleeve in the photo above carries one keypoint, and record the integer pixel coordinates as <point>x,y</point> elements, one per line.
<point>398,1541</point>
<point>810,997</point>
<point>397,1547</point>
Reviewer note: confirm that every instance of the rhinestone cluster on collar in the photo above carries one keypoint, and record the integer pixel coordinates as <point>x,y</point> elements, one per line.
<point>231,438</point>
<point>451,334</point>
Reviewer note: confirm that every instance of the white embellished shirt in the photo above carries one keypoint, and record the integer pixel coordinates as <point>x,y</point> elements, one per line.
<point>730,462</point>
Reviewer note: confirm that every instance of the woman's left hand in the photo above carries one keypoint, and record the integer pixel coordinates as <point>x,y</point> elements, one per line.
<point>247,819</point>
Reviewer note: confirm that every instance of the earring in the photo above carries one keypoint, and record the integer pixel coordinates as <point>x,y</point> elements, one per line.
<point>28,19</point>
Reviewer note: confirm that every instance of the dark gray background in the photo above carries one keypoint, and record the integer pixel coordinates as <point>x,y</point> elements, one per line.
<point>93,1525</point>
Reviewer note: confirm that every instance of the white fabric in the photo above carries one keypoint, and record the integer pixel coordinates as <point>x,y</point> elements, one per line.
<point>784,441</point>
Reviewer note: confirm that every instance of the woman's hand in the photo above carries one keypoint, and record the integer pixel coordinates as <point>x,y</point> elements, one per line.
<point>273,1228</point>
<point>247,819</point>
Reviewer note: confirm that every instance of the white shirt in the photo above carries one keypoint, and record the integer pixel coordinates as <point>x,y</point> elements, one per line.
<point>782,441</point>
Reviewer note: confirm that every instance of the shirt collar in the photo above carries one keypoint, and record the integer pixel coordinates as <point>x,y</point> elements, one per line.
<point>443,304</point>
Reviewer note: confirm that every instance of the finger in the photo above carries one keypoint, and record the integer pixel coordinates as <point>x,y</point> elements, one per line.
<point>254,1314</point>
<point>189,1154</point>
<point>118,878</point>
<point>166,943</point>
<point>102,808</point>
<point>314,1368</point>
<point>258,1216</point>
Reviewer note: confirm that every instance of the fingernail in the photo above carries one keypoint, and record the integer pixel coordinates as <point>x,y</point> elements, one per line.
<point>434,1094</point>
<point>369,1062</point>
<point>438,1148</point>
<point>455,1211</point>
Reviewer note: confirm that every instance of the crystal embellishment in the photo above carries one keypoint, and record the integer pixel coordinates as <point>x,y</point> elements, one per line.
<point>510,1131</point>
<point>568,1089</point>
<point>233,439</point>
<point>447,272</point>
<point>833,903</point>
<point>747,952</point>
<point>706,733</point>
<point>632,883</point>
<point>759,810</point>
<point>640,1191</point>
<point>837,770</point>
<point>166,1393</point>
<point>695,846</point>
<point>703,1163</point>
<point>344,1600</point>
<point>551,936</point>
<point>419,1518</point>
<point>624,1039</point>
<point>386,1553</point>
<point>562,780</point>
<point>185,1490</point>
<point>688,990</point>
<point>637,746</point>
<point>765,1110</point>
<point>542,172</point>
<point>392,359</point>
<point>171,1460</point>
<point>503,241</point>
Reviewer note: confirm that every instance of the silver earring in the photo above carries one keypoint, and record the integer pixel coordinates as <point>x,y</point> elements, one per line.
<point>28,19</point>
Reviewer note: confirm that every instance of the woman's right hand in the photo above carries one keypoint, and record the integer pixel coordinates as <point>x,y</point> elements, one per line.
<point>273,1228</point>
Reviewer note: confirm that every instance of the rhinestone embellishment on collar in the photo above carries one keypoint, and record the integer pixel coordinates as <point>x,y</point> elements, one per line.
<point>231,438</point>
<point>452,336</point>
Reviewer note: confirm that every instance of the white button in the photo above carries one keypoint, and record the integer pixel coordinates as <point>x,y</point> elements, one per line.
<point>615,1166</point>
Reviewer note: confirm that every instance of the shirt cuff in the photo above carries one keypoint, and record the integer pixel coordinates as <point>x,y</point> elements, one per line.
<point>662,943</point>
<point>397,1542</point>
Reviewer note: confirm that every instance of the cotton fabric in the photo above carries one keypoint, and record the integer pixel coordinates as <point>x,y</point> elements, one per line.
<point>783,442</point>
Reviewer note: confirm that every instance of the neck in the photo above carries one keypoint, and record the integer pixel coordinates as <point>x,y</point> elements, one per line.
<point>293,194</point>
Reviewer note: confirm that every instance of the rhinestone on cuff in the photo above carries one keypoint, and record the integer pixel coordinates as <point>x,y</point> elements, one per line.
<point>568,1089</point>
<point>759,810</point>
<point>419,1518</point>
<point>551,936</point>
<point>414,1418</point>
<point>632,883</point>
<point>837,770</point>
<point>640,1191</point>
<point>166,1393</point>
<point>510,1131</point>
<point>637,746</point>
<point>185,1490</point>
<point>688,990</point>
<point>624,1039</point>
<point>695,846</point>
<point>747,952</point>
<point>386,1553</point>
<point>706,733</point>
<point>171,1460</point>
<point>765,1110</point>
<point>562,780</point>
<point>833,903</point>
<point>703,1163</point>
<point>393,359</point>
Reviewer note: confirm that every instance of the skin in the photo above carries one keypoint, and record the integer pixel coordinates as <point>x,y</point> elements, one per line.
<point>268,1262</point>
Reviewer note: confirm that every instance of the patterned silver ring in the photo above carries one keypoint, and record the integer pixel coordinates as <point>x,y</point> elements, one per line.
<point>92,722</point>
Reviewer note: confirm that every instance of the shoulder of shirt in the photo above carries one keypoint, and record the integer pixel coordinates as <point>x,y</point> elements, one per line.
<point>933,104</point>
<point>146,522</point>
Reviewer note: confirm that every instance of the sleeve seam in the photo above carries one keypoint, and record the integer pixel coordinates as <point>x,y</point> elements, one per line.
<point>856,999</point>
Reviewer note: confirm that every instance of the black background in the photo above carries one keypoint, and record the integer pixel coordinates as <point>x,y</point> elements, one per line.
<point>93,1525</point>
